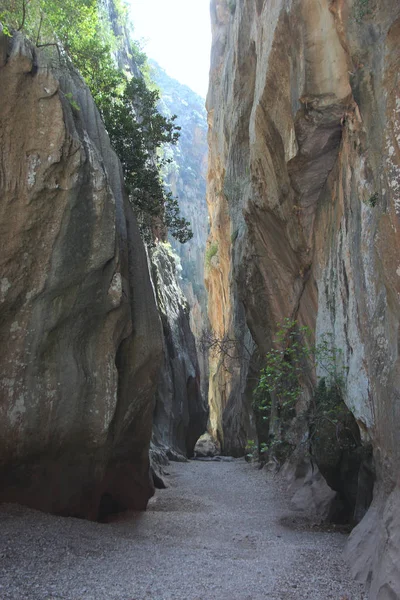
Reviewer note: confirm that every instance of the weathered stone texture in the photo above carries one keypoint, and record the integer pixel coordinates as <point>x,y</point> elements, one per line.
<point>206,446</point>
<point>181,412</point>
<point>304,192</point>
<point>185,177</point>
<point>81,341</point>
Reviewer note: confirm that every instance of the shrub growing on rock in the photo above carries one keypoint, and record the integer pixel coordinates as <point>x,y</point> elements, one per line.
<point>333,439</point>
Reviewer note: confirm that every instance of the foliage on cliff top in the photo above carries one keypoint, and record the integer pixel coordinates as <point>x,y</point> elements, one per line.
<point>137,131</point>
<point>83,35</point>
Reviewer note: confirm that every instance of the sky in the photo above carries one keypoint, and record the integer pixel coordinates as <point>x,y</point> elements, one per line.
<point>177,35</point>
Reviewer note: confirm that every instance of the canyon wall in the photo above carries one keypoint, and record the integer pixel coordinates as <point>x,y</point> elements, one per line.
<point>181,408</point>
<point>181,412</point>
<point>81,349</point>
<point>185,176</point>
<point>303,195</point>
<point>91,343</point>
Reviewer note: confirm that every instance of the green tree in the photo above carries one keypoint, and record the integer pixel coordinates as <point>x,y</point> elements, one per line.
<point>82,34</point>
<point>137,131</point>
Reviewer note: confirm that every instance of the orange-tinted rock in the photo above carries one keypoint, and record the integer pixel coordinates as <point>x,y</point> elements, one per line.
<point>304,195</point>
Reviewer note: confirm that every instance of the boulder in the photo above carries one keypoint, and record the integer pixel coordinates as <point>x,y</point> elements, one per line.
<point>206,446</point>
<point>309,492</point>
<point>373,549</point>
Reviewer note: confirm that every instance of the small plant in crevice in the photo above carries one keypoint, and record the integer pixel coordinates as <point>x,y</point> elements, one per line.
<point>372,201</point>
<point>3,27</point>
<point>328,430</point>
<point>251,450</point>
<point>284,365</point>
<point>361,9</point>
<point>257,451</point>
<point>211,251</point>
<point>73,103</point>
<point>231,6</point>
<point>280,386</point>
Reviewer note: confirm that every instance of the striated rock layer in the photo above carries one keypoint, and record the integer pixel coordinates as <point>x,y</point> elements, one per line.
<point>181,412</point>
<point>81,342</point>
<point>185,177</point>
<point>304,201</point>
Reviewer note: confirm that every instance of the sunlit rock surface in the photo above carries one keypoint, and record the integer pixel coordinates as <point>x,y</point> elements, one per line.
<point>304,196</point>
<point>81,339</point>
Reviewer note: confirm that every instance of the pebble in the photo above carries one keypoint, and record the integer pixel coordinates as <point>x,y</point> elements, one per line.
<point>216,533</point>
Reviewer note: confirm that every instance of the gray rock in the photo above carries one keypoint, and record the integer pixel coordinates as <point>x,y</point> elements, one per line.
<point>206,446</point>
<point>215,458</point>
<point>309,492</point>
<point>181,412</point>
<point>81,343</point>
<point>373,549</point>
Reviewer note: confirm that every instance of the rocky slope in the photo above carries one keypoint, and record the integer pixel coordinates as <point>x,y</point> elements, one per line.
<point>303,200</point>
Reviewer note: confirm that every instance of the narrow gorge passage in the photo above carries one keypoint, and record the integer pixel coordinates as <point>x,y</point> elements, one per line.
<point>215,533</point>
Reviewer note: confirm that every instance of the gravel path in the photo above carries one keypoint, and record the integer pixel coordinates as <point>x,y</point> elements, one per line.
<point>214,534</point>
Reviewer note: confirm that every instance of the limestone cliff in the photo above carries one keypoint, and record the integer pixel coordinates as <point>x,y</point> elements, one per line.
<point>80,347</point>
<point>181,409</point>
<point>185,177</point>
<point>303,199</point>
<point>93,349</point>
<point>181,412</point>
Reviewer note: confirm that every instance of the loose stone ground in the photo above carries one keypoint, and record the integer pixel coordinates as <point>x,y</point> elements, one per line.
<point>215,534</point>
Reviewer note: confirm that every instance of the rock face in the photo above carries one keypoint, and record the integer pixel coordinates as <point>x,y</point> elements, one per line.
<point>181,413</point>
<point>304,197</point>
<point>81,341</point>
<point>310,494</point>
<point>185,177</point>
